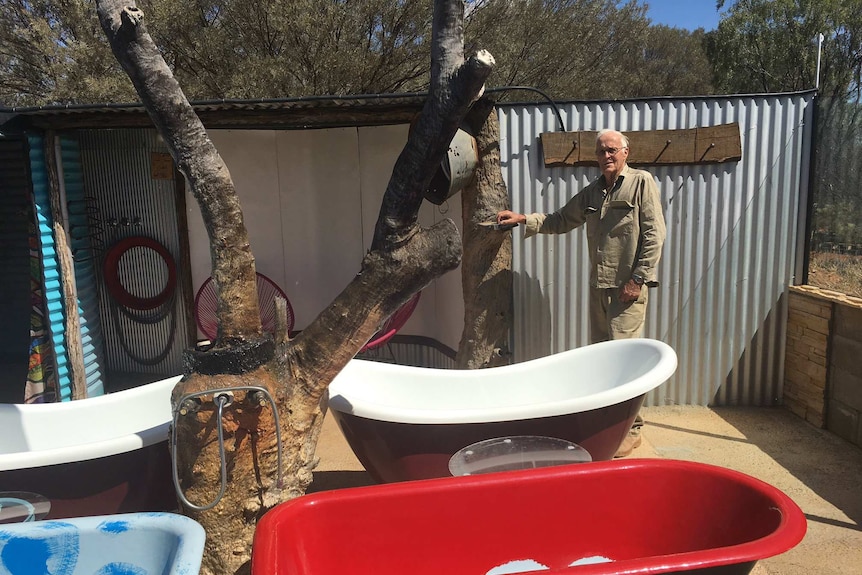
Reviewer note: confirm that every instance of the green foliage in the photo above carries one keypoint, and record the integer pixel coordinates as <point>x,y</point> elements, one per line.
<point>771,46</point>
<point>587,49</point>
<point>672,62</point>
<point>286,48</point>
<point>838,181</point>
<point>53,51</point>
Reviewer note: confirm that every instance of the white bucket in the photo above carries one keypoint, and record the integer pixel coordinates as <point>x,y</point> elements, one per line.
<point>456,170</point>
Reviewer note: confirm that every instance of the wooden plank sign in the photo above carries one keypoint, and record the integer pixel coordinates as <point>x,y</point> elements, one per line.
<point>717,144</point>
<point>161,166</point>
<point>561,148</point>
<point>707,145</point>
<point>661,147</point>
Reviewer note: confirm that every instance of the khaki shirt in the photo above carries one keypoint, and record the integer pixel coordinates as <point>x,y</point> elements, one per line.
<point>625,227</point>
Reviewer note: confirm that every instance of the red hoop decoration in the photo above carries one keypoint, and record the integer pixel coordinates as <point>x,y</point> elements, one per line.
<point>111,272</point>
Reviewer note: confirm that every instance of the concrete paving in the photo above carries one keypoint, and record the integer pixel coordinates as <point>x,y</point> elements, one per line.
<point>819,471</point>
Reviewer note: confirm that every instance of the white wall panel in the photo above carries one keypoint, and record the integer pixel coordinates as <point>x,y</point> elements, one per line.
<point>310,199</point>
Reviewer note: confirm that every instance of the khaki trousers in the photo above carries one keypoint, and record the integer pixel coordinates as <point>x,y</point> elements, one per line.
<point>612,319</point>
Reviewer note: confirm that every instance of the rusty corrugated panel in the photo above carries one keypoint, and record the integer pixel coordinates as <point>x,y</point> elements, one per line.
<point>731,250</point>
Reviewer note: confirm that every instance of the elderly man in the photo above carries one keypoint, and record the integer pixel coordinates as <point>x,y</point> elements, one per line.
<point>625,233</point>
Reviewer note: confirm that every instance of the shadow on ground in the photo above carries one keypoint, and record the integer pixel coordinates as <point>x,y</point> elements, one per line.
<point>328,480</point>
<point>828,465</point>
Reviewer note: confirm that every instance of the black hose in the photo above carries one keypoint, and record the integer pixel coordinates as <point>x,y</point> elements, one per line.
<point>538,91</point>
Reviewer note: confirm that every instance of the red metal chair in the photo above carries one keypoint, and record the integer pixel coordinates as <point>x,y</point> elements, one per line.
<point>267,291</point>
<point>391,326</point>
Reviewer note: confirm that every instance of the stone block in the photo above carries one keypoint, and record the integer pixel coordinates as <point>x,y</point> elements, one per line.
<point>812,396</point>
<point>846,387</point>
<point>848,323</point>
<point>808,322</point>
<point>817,372</point>
<point>815,418</point>
<point>801,380</point>
<point>843,421</point>
<point>847,355</point>
<point>795,406</point>
<point>810,306</point>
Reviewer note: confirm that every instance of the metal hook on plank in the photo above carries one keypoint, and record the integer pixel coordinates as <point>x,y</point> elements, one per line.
<point>222,397</point>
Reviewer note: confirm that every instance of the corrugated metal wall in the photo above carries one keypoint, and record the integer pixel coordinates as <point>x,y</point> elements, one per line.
<point>129,201</point>
<point>731,249</point>
<point>16,297</point>
<point>82,230</point>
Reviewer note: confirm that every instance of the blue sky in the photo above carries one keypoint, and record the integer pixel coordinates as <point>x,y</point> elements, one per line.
<point>688,14</point>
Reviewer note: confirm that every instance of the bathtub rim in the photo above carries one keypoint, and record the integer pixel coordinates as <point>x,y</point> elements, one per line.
<point>115,445</point>
<point>665,367</point>
<point>790,530</point>
<point>185,535</point>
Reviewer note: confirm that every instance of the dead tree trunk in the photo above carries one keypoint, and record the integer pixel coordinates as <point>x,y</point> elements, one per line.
<point>486,274</point>
<point>236,456</point>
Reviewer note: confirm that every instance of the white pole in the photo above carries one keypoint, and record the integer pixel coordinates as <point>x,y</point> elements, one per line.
<point>819,47</point>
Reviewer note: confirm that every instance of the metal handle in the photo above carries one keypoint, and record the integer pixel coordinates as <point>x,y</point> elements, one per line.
<point>222,397</point>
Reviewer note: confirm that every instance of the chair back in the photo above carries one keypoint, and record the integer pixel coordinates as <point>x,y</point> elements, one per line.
<point>391,326</point>
<point>267,291</point>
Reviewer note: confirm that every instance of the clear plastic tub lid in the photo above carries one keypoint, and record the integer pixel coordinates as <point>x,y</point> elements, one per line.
<point>516,452</point>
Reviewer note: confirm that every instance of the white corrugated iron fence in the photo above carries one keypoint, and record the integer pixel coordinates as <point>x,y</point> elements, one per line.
<point>734,232</point>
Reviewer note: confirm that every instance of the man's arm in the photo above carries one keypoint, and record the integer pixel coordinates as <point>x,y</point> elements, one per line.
<point>567,218</point>
<point>652,228</point>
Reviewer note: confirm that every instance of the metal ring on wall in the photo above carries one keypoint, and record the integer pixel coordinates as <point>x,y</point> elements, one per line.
<point>111,272</point>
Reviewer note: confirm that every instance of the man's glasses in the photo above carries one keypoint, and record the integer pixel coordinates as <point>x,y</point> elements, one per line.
<point>609,151</point>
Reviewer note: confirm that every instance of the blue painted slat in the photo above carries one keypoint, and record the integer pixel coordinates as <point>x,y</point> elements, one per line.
<point>53,292</point>
<point>85,271</point>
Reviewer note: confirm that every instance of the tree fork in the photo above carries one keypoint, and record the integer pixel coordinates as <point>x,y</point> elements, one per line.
<point>197,159</point>
<point>226,391</point>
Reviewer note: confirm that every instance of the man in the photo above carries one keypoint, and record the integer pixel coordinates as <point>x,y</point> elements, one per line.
<point>625,233</point>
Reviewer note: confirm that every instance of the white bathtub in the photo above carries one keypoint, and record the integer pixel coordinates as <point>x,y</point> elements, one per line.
<point>406,422</point>
<point>94,456</point>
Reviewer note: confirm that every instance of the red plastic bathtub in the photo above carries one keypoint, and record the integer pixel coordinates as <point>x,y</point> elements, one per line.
<point>633,517</point>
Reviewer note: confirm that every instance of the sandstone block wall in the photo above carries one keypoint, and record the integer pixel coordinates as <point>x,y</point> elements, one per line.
<point>823,360</point>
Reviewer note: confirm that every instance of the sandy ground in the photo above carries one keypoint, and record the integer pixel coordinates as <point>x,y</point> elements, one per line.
<point>819,471</point>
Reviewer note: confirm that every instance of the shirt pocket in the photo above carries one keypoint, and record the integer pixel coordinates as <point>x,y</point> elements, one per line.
<point>620,218</point>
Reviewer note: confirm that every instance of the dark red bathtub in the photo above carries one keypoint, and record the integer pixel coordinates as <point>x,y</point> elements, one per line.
<point>683,517</point>
<point>392,451</point>
<point>406,422</point>
<point>97,456</point>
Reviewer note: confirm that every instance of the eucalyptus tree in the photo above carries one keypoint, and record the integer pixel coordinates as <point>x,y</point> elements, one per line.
<point>50,51</point>
<point>672,62</point>
<point>773,46</point>
<point>281,48</point>
<point>54,53</point>
<point>235,461</point>
<point>567,48</point>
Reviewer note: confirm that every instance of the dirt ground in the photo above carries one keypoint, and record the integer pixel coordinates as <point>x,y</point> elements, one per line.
<point>819,471</point>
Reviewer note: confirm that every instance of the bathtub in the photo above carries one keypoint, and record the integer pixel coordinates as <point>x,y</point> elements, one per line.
<point>406,422</point>
<point>121,544</point>
<point>95,456</point>
<point>684,517</point>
